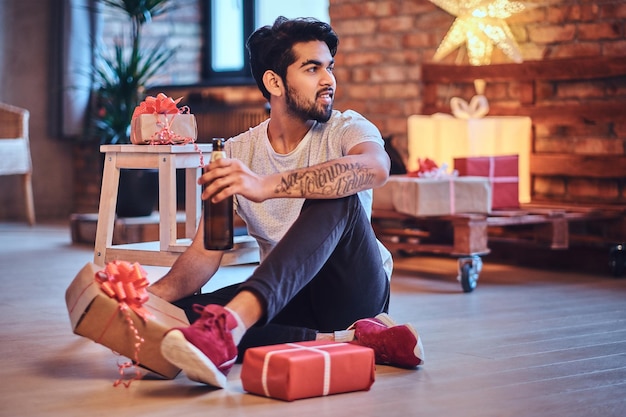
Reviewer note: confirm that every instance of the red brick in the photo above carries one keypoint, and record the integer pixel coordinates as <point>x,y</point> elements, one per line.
<point>549,186</point>
<point>345,11</point>
<point>619,128</point>
<point>420,39</point>
<point>390,107</point>
<point>589,12</point>
<point>349,43</point>
<point>389,74</point>
<point>593,189</point>
<point>559,14</point>
<point>416,7</point>
<point>597,31</point>
<point>574,50</point>
<point>355,26</point>
<point>364,92</point>
<point>400,90</point>
<point>552,145</point>
<point>365,58</point>
<point>361,75</point>
<point>616,10</point>
<point>381,41</point>
<point>409,57</point>
<point>551,34</point>
<point>598,146</point>
<point>614,48</point>
<point>581,90</point>
<point>396,24</point>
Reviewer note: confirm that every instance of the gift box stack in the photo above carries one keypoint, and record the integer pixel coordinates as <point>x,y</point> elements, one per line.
<point>294,371</point>
<point>502,173</point>
<point>443,138</point>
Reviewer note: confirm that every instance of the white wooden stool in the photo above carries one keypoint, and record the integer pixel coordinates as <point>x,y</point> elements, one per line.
<point>167,159</point>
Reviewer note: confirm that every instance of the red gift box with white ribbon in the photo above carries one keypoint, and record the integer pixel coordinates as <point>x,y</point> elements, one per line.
<point>294,371</point>
<point>502,172</point>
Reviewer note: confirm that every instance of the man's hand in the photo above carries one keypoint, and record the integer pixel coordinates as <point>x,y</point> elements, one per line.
<point>227,176</point>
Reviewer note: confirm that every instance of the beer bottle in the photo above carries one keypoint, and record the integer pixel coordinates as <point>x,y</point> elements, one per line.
<point>218,217</point>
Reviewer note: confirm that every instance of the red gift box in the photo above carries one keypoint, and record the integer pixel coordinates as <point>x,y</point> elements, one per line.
<point>503,174</point>
<point>293,371</point>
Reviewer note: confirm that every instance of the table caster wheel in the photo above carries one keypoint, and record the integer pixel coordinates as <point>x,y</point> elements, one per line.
<point>617,260</point>
<point>469,271</point>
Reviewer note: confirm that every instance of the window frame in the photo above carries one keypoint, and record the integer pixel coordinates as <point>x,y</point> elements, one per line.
<point>237,77</point>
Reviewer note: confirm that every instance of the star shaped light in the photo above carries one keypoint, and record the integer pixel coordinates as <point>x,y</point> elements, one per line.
<point>480,25</point>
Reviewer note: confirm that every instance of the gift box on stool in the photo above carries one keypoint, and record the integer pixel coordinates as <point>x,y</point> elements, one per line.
<point>95,315</point>
<point>292,371</point>
<point>503,175</point>
<point>440,196</point>
<point>178,128</point>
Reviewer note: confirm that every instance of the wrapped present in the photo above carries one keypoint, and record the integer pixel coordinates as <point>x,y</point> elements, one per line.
<point>502,172</point>
<point>158,120</point>
<point>444,137</point>
<point>440,196</point>
<point>132,328</point>
<point>293,371</point>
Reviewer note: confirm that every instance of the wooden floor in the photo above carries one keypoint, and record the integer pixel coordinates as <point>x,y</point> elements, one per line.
<point>526,342</point>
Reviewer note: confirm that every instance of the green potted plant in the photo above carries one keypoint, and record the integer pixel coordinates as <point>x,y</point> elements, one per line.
<point>120,77</point>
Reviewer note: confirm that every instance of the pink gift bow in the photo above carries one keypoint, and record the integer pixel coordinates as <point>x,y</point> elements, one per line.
<point>127,284</point>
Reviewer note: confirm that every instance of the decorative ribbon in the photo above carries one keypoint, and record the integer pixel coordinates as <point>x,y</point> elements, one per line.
<point>429,169</point>
<point>127,284</point>
<point>452,196</point>
<point>477,107</point>
<point>294,348</point>
<point>492,173</point>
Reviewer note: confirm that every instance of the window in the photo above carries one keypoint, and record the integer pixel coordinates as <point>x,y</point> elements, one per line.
<point>231,22</point>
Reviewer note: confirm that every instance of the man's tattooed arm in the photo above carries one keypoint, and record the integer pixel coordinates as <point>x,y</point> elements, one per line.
<point>329,181</point>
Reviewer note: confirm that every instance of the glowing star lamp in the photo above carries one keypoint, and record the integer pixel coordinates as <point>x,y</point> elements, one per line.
<point>480,25</point>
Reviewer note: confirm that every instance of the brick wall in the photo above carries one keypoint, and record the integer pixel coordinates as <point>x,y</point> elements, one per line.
<point>384,42</point>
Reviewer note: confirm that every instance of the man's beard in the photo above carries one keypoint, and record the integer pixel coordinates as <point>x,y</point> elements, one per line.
<point>299,107</point>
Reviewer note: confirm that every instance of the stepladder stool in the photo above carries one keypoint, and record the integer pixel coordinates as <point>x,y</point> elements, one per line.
<point>167,159</point>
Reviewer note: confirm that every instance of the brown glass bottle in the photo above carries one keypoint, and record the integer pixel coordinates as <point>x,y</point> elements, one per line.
<point>218,217</point>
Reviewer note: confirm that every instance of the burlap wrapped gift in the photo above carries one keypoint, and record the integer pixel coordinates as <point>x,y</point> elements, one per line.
<point>440,197</point>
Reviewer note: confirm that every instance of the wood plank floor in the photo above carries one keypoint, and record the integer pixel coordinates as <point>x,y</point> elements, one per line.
<point>526,342</point>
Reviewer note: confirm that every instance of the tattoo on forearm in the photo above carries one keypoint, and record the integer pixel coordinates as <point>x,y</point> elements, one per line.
<point>336,180</point>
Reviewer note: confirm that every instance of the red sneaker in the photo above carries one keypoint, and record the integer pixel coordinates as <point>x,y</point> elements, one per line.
<point>205,351</point>
<point>397,345</point>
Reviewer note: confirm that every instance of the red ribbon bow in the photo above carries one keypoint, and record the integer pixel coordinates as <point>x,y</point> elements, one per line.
<point>161,104</point>
<point>126,283</point>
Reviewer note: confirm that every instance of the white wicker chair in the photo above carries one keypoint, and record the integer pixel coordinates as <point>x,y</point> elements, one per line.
<point>15,151</point>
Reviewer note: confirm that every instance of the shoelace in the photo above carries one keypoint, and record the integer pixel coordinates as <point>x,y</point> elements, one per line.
<point>210,320</point>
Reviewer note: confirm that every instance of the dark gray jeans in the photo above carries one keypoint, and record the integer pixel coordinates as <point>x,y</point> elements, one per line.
<point>322,276</point>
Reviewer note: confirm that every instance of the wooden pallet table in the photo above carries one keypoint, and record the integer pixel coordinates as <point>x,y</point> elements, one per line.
<point>466,236</point>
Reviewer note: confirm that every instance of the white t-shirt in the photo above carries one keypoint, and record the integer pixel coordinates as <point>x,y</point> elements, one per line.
<point>269,221</point>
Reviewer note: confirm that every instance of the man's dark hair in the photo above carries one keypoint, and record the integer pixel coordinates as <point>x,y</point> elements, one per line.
<point>271,47</point>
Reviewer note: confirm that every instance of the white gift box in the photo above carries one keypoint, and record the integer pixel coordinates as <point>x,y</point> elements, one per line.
<point>434,197</point>
<point>177,128</point>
